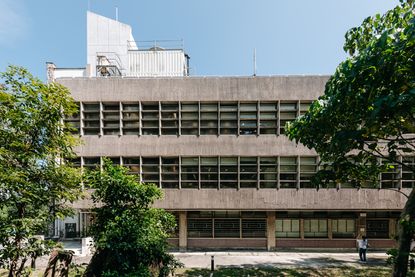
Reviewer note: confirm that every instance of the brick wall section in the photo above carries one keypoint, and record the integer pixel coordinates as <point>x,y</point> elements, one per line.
<point>334,243</point>
<point>174,242</point>
<point>227,243</point>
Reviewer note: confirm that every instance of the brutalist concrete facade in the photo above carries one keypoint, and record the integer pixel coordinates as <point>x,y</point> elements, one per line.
<point>285,217</point>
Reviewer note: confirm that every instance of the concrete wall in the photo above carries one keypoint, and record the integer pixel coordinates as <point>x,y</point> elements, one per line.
<point>208,145</point>
<point>221,89</point>
<point>196,88</point>
<point>105,35</point>
<point>273,199</point>
<point>283,199</point>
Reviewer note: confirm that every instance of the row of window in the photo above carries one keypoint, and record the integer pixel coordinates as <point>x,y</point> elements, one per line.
<point>226,224</point>
<point>340,228</point>
<point>315,228</point>
<point>217,172</point>
<point>234,224</point>
<point>238,172</point>
<point>185,118</point>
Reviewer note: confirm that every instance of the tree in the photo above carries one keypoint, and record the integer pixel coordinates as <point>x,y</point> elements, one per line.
<point>367,112</point>
<point>35,187</point>
<point>130,237</point>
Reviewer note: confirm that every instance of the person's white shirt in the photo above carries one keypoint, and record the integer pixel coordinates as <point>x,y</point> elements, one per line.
<point>362,243</point>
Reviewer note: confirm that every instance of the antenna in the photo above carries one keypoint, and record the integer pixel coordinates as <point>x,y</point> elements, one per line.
<point>116,13</point>
<point>254,61</point>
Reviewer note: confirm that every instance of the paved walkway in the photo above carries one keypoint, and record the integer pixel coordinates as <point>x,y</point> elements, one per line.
<point>200,259</point>
<point>278,259</point>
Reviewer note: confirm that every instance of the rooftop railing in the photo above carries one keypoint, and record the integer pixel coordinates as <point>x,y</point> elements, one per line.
<point>156,45</point>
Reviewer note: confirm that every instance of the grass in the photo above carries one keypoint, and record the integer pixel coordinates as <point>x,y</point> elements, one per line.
<point>367,271</point>
<point>292,272</point>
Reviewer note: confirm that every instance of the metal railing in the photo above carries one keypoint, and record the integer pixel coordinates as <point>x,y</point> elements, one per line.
<point>156,45</point>
<point>108,64</point>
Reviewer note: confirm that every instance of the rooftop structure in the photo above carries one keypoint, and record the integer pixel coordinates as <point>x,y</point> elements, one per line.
<point>217,148</point>
<point>113,52</point>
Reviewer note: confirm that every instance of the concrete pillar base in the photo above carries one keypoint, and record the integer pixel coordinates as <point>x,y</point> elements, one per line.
<point>183,231</point>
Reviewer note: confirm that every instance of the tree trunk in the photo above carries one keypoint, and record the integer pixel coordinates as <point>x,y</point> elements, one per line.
<point>405,237</point>
<point>12,269</point>
<point>100,262</point>
<point>17,242</point>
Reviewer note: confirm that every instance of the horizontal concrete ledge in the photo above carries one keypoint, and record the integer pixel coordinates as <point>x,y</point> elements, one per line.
<point>130,146</point>
<point>272,199</point>
<point>283,199</point>
<point>195,89</point>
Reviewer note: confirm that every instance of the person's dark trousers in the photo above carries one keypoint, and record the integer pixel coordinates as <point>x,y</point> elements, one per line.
<point>362,254</point>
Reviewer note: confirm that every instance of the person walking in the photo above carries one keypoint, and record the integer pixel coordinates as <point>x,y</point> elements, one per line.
<point>363,245</point>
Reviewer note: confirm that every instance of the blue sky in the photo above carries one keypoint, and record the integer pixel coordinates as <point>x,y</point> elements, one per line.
<point>290,37</point>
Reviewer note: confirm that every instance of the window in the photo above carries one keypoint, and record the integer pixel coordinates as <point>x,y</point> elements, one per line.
<point>227,228</point>
<point>209,172</point>
<point>288,172</point>
<point>377,228</point>
<point>75,162</point>
<point>254,228</point>
<point>133,164</point>
<point>325,166</point>
<point>150,170</point>
<point>190,172</point>
<point>229,118</point>
<point>268,118</point>
<point>268,172</point>
<point>170,118</point>
<point>288,112</point>
<point>91,119</point>
<point>131,118</point>
<point>315,228</point>
<point>248,169</point>
<point>73,122</point>
<point>170,172</point>
<point>390,178</point>
<point>114,160</point>
<point>308,167</point>
<point>111,118</point>
<point>150,118</point>
<point>209,118</point>
<point>229,172</point>
<point>200,227</point>
<point>287,228</point>
<point>343,228</point>
<point>408,176</point>
<point>304,106</point>
<point>248,119</point>
<point>190,118</point>
<point>91,162</point>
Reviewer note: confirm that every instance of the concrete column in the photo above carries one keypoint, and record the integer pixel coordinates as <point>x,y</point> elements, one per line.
<point>270,230</point>
<point>392,228</point>
<point>302,228</point>
<point>81,223</point>
<point>329,229</point>
<point>361,224</point>
<point>183,230</point>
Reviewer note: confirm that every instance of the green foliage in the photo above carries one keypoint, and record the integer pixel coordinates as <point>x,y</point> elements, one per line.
<point>367,112</point>
<point>130,236</point>
<point>369,103</point>
<point>35,187</point>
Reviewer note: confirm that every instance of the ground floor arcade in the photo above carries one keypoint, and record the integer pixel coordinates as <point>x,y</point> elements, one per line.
<point>230,229</point>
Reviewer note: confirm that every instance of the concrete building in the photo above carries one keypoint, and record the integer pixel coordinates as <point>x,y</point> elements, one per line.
<point>216,147</point>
